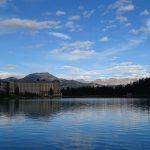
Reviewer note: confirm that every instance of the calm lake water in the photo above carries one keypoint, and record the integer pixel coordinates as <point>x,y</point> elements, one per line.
<point>87,124</point>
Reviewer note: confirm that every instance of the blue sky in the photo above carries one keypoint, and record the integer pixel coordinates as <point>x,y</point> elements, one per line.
<point>75,39</point>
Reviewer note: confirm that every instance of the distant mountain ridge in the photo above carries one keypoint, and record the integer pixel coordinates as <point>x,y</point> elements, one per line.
<point>44,76</point>
<point>64,83</point>
<point>75,84</point>
<point>114,81</point>
<point>10,79</point>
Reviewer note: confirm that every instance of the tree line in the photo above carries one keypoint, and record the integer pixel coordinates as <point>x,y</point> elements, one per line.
<point>140,88</point>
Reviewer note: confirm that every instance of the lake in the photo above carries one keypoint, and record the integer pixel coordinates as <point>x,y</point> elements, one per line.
<point>83,123</point>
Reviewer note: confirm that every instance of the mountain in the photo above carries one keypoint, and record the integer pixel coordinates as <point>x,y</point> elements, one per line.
<point>74,84</point>
<point>83,81</point>
<point>64,83</point>
<point>70,83</point>
<point>114,81</point>
<point>44,76</point>
<point>10,79</point>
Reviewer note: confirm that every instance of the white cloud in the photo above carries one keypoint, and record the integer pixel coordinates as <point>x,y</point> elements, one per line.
<point>73,55</point>
<point>70,51</point>
<point>3,2</point>
<point>119,70</point>
<point>82,44</point>
<point>77,73</point>
<point>134,31</point>
<point>128,69</point>
<point>129,7</point>
<point>104,39</point>
<point>74,18</point>
<point>79,54</point>
<point>17,23</point>
<point>60,35</point>
<point>106,28</point>
<point>122,18</point>
<point>88,13</point>
<point>73,27</point>
<point>71,69</point>
<point>123,6</point>
<point>4,75</point>
<point>130,44</point>
<point>145,13</point>
<point>9,66</point>
<point>74,51</point>
<point>144,29</point>
<point>147,26</point>
<point>60,13</point>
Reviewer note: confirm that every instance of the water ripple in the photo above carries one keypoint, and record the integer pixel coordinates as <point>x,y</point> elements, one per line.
<point>105,124</point>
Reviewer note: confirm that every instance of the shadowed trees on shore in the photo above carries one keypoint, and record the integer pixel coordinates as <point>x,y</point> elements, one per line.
<point>140,88</point>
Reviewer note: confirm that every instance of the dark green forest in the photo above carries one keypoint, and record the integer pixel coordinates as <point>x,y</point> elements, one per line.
<point>140,88</point>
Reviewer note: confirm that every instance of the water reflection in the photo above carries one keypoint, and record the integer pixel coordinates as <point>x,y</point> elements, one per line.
<point>47,108</point>
<point>104,124</point>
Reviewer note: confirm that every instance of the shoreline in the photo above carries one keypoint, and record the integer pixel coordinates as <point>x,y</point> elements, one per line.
<point>91,96</point>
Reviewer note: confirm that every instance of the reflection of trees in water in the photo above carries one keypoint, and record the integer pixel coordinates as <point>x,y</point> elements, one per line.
<point>48,108</point>
<point>29,108</point>
<point>143,104</point>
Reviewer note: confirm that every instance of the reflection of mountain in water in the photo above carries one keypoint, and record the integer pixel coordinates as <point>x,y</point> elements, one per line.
<point>48,108</point>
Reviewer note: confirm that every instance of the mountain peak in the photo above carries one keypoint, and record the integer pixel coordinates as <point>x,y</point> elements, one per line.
<point>10,79</point>
<point>42,76</point>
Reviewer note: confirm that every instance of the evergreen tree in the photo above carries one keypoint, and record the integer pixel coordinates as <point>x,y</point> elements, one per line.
<point>17,91</point>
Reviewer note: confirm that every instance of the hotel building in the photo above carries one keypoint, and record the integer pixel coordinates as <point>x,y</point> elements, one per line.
<point>40,88</point>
